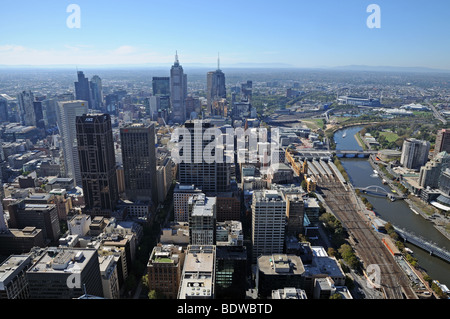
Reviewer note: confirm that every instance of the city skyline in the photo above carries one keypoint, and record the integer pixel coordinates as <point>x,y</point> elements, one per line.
<point>316,165</point>
<point>291,34</point>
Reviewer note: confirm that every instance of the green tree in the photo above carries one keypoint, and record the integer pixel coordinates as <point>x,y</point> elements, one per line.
<point>331,252</point>
<point>153,294</point>
<point>438,291</point>
<point>304,185</point>
<point>428,279</point>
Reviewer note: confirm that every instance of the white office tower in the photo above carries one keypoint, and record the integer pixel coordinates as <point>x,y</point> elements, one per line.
<point>67,113</point>
<point>268,223</point>
<point>414,153</point>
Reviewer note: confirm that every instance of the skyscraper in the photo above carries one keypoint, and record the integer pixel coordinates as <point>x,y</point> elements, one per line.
<point>4,100</point>
<point>178,92</point>
<point>67,112</point>
<point>215,87</point>
<point>414,153</point>
<point>97,163</point>
<point>139,161</point>
<point>83,89</point>
<point>39,114</point>
<point>209,177</point>
<point>159,103</point>
<point>268,222</point>
<point>161,85</point>
<point>97,93</point>
<point>26,107</point>
<point>442,142</point>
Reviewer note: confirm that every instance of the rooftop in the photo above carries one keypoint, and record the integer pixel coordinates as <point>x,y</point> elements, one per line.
<point>204,206</point>
<point>280,264</point>
<point>11,267</point>
<point>63,260</point>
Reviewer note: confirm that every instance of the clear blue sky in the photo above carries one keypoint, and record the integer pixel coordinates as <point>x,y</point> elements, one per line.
<point>300,33</point>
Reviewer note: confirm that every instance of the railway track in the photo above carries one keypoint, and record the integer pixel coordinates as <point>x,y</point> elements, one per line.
<point>367,245</point>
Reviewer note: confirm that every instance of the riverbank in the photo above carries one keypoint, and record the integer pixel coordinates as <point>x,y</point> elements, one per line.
<point>361,143</point>
<point>438,223</point>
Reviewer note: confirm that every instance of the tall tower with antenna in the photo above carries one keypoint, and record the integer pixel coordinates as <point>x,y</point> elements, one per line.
<point>216,90</point>
<point>178,91</point>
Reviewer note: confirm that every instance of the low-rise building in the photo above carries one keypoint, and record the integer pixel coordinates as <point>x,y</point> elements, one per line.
<point>289,293</point>
<point>65,273</point>
<point>277,271</point>
<point>165,267</point>
<point>198,278</point>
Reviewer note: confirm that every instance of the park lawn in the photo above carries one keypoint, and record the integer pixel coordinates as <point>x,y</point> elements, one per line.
<point>390,136</point>
<point>314,124</point>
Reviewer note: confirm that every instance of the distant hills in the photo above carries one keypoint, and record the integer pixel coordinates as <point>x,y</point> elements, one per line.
<point>362,68</point>
<point>387,69</point>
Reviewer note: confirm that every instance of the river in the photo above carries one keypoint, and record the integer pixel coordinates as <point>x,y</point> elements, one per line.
<point>398,213</point>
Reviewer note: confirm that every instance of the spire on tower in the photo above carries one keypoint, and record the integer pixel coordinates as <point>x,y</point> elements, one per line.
<point>176,57</point>
<point>218,61</point>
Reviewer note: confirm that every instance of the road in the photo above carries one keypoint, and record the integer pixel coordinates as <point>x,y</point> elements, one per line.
<point>437,114</point>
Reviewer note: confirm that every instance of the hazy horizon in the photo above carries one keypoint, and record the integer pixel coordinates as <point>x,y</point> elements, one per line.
<point>296,34</point>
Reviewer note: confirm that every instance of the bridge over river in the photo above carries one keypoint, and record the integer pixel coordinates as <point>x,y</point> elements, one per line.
<point>355,153</point>
<point>418,241</point>
<point>380,191</point>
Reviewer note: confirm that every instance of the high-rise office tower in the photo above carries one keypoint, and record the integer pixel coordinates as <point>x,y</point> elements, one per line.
<point>39,114</point>
<point>4,99</point>
<point>442,142</point>
<point>414,153</point>
<point>247,91</point>
<point>26,108</point>
<point>67,112</point>
<point>96,93</point>
<point>268,222</point>
<point>215,87</point>
<point>97,163</point>
<point>193,107</point>
<point>83,89</point>
<point>161,85</point>
<point>139,161</point>
<point>159,103</point>
<point>50,111</point>
<point>209,177</point>
<point>178,92</point>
